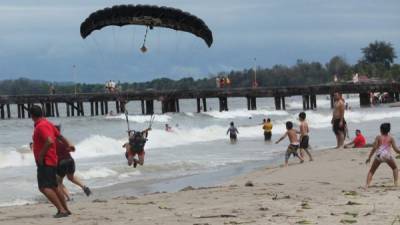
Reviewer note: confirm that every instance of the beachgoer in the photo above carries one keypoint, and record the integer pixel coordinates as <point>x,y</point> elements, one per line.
<point>135,146</point>
<point>382,146</point>
<point>221,82</point>
<point>227,81</point>
<point>304,136</point>
<point>44,138</point>
<point>339,125</point>
<point>168,128</point>
<point>358,142</point>
<point>66,166</point>
<point>217,81</point>
<point>232,131</point>
<point>267,127</point>
<point>294,143</point>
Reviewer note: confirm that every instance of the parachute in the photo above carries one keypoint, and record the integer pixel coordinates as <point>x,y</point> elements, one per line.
<point>147,15</point>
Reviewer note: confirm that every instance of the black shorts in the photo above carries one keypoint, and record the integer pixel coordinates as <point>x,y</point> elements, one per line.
<point>66,166</point>
<point>337,128</point>
<point>233,136</point>
<point>47,176</point>
<point>267,136</point>
<point>304,142</point>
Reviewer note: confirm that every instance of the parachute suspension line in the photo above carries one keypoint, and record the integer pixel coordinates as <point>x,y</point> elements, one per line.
<point>143,48</point>
<point>102,56</point>
<point>133,37</point>
<point>158,41</point>
<point>127,121</point>
<point>151,120</point>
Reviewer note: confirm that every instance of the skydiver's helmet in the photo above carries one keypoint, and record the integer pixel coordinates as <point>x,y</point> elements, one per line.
<point>135,137</point>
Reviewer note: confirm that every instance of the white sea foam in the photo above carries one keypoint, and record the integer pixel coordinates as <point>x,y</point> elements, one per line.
<point>97,172</point>
<point>142,118</point>
<point>13,158</point>
<point>16,202</point>
<point>244,113</point>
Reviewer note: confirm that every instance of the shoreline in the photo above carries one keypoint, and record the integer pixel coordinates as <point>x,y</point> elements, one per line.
<point>325,191</point>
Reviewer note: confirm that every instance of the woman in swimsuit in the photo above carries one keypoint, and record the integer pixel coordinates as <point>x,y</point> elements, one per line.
<point>382,146</point>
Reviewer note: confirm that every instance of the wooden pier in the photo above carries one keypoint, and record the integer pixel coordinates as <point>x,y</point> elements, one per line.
<point>99,102</point>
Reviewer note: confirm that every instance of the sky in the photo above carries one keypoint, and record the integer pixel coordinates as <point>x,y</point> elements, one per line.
<point>40,39</point>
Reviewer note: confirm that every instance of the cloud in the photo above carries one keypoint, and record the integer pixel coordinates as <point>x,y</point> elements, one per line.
<point>40,38</point>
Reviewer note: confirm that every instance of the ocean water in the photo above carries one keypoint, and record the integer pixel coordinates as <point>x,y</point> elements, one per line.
<point>197,145</point>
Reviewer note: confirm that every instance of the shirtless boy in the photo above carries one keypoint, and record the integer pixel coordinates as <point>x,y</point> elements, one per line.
<point>294,143</point>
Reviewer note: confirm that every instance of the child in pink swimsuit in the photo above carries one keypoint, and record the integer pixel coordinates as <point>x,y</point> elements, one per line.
<point>382,146</point>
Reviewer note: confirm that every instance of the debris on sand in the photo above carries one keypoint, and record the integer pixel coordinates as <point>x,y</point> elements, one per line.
<point>249,184</point>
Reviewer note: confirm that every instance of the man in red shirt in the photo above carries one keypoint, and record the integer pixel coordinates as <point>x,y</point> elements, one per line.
<point>358,141</point>
<point>44,138</point>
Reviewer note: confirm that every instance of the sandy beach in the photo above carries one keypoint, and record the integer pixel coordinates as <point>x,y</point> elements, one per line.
<point>325,191</point>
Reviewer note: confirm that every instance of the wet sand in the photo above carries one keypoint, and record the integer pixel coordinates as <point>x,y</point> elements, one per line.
<point>328,190</point>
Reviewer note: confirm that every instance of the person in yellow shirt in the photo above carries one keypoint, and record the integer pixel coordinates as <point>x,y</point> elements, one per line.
<point>267,127</point>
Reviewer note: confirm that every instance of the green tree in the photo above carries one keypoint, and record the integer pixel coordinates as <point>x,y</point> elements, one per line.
<point>338,65</point>
<point>379,52</point>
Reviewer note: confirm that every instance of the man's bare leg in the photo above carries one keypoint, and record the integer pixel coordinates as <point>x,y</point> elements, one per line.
<point>308,153</point>
<point>301,158</point>
<point>75,180</point>
<point>340,139</point>
<point>52,196</point>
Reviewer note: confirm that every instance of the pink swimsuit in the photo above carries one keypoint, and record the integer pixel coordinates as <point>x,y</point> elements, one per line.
<point>383,154</point>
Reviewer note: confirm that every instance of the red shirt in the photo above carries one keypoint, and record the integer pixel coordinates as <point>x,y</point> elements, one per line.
<point>359,141</point>
<point>43,130</point>
<point>62,151</point>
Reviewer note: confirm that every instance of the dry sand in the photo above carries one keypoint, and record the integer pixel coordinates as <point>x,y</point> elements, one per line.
<point>326,191</point>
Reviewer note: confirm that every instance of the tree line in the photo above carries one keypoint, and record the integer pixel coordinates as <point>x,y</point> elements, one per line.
<point>377,61</point>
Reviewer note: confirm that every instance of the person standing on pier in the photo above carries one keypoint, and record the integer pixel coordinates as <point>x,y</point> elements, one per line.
<point>338,122</point>
<point>44,138</point>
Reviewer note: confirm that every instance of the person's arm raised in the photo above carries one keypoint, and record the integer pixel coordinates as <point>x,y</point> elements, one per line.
<point>280,139</point>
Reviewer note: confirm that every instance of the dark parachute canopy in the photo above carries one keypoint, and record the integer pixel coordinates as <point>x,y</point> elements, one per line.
<point>147,15</point>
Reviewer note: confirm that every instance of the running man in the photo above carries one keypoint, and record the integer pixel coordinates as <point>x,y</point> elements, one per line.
<point>338,121</point>
<point>45,136</point>
<point>382,146</point>
<point>232,131</point>
<point>66,166</point>
<point>293,145</point>
<point>267,127</point>
<point>135,146</point>
<point>304,138</point>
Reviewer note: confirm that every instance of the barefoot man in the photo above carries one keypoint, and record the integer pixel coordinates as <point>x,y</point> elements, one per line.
<point>338,122</point>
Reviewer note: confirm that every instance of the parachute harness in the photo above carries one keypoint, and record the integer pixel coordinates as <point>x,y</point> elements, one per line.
<point>143,48</point>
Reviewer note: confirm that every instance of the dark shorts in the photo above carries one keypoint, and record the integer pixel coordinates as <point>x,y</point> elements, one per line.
<point>233,136</point>
<point>267,136</point>
<point>66,166</point>
<point>47,176</point>
<point>304,142</point>
<point>337,128</point>
<point>134,153</point>
<point>291,150</point>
